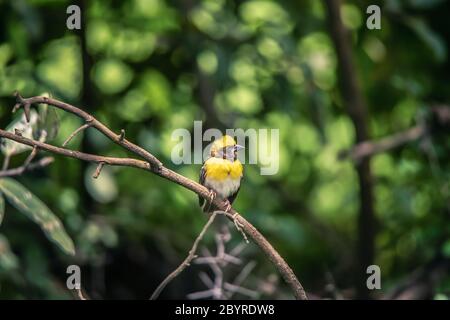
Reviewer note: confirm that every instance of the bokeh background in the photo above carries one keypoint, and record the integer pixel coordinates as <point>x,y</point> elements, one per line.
<point>152,66</point>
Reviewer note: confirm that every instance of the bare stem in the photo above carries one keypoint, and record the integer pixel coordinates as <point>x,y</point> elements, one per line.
<point>98,170</point>
<point>94,123</point>
<point>370,148</point>
<point>73,134</point>
<point>186,261</point>
<point>155,166</point>
<point>31,166</point>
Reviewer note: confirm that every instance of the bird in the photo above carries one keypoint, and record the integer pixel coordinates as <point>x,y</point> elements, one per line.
<point>221,173</point>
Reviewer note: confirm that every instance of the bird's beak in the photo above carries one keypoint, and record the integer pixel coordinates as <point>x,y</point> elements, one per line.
<point>238,147</point>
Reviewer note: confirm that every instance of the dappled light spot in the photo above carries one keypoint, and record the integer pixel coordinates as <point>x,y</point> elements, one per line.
<point>112,76</point>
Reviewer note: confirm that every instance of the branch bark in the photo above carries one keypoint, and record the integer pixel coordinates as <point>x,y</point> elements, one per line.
<point>357,111</point>
<point>367,149</point>
<point>152,164</point>
<point>26,167</point>
<point>94,123</point>
<point>186,261</point>
<point>439,121</point>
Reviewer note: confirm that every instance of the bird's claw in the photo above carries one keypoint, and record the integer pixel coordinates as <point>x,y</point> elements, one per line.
<point>212,195</point>
<point>228,206</point>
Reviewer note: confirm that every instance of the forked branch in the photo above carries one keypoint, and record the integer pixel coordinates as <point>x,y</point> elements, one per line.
<point>369,148</point>
<point>152,164</point>
<point>191,256</point>
<point>26,167</point>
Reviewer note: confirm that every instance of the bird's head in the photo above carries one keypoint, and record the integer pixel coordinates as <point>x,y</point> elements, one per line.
<point>225,147</point>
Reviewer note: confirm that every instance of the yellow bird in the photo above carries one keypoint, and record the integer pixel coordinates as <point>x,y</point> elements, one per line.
<point>222,172</point>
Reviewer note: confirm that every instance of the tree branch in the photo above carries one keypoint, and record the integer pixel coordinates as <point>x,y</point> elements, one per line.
<point>153,165</point>
<point>130,162</point>
<point>26,167</point>
<point>117,138</point>
<point>186,261</point>
<point>82,128</point>
<point>439,121</point>
<point>370,148</point>
<point>357,111</point>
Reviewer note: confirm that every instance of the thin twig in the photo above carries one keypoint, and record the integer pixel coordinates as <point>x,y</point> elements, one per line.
<point>98,170</point>
<point>31,166</point>
<point>219,289</point>
<point>238,289</point>
<point>245,272</point>
<point>27,111</point>
<point>80,294</point>
<point>130,162</point>
<point>239,228</point>
<point>122,135</point>
<point>30,157</point>
<point>16,107</point>
<point>247,227</point>
<point>238,249</point>
<point>370,148</point>
<point>94,123</point>
<point>73,134</point>
<point>206,279</point>
<point>213,292</point>
<point>186,261</point>
<point>155,166</point>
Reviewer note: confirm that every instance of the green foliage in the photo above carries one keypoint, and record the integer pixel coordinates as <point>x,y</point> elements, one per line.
<point>153,66</point>
<point>8,261</point>
<point>27,203</point>
<point>9,147</point>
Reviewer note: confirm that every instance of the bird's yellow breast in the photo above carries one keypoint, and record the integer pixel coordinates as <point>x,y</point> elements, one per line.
<point>220,169</point>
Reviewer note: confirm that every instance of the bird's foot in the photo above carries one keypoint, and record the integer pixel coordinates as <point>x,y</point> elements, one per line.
<point>239,226</point>
<point>212,195</point>
<point>228,206</point>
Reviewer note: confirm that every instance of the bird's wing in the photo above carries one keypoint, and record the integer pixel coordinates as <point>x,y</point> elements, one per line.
<point>202,182</point>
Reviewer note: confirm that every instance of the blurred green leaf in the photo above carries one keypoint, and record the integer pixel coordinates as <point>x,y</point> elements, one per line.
<point>48,122</point>
<point>446,249</point>
<point>153,66</point>
<point>429,37</point>
<point>61,54</point>
<point>27,203</point>
<point>240,98</point>
<point>112,75</point>
<point>157,90</point>
<point>207,61</point>
<point>104,187</point>
<point>10,147</point>
<point>266,14</point>
<point>8,259</point>
<point>5,54</point>
<point>351,16</point>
